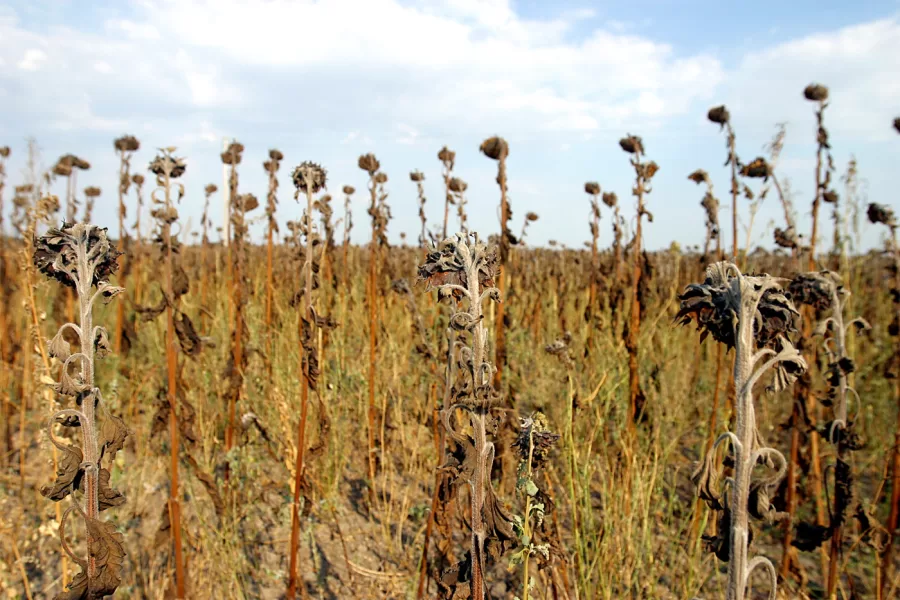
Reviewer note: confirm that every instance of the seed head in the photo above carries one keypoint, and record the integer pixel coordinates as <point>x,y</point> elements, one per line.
<point>137,179</point>
<point>699,176</point>
<point>535,435</point>
<point>592,188</point>
<point>127,143</point>
<point>211,189</point>
<point>457,185</point>
<point>815,92</point>
<point>232,156</point>
<point>56,253</point>
<point>62,169</point>
<point>381,178</point>
<point>349,189</point>
<point>495,148</point>
<point>814,289</point>
<point>276,155</point>
<point>447,156</point>
<point>718,115</point>
<point>786,238</point>
<point>271,166</point>
<point>247,202</point>
<point>416,176</point>
<point>162,163</point>
<point>92,192</point>
<point>610,199</point>
<point>757,168</point>
<point>648,170</point>
<point>368,163</point>
<point>879,213</point>
<point>896,126</point>
<point>632,144</point>
<point>4,151</point>
<point>831,197</point>
<point>531,216</point>
<point>308,176</point>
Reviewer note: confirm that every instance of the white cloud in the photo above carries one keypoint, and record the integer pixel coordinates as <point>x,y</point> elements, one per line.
<point>132,30</point>
<point>102,67</point>
<point>32,60</point>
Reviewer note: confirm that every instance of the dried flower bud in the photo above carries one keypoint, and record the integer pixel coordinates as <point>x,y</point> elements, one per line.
<point>592,188</point>
<point>447,156</point>
<point>816,92</point>
<point>25,188</point>
<point>719,115</point>
<point>699,176</point>
<point>127,143</point>
<point>247,202</point>
<point>210,189</point>
<point>416,176</point>
<point>276,155</point>
<point>536,439</point>
<point>92,192</point>
<point>271,166</point>
<point>531,216</point>
<point>715,306</point>
<point>457,185</point>
<point>879,213</point>
<point>757,168</point>
<point>896,126</point>
<point>495,148</point>
<point>163,163</point>
<point>610,199</point>
<point>62,169</point>
<point>349,189</point>
<point>381,178</point>
<point>814,289</point>
<point>308,176</point>
<point>648,170</point>
<point>137,179</point>
<point>786,238</point>
<point>368,162</point>
<point>56,253</point>
<point>632,144</point>
<point>831,197</point>
<point>4,152</point>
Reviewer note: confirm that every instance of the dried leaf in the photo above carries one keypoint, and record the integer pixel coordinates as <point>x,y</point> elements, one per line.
<point>105,547</point>
<point>112,436</point>
<point>68,473</point>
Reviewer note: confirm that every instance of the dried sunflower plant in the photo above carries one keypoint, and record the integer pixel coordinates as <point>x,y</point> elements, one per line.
<point>754,316</point>
<point>463,269</point>
<point>81,257</point>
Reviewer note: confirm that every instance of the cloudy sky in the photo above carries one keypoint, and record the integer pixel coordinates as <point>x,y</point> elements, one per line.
<point>561,81</point>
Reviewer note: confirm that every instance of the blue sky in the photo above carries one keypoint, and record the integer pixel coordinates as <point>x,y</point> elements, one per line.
<point>561,81</point>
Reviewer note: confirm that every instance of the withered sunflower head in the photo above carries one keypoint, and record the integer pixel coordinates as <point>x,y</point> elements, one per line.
<point>271,166</point>
<point>896,126</point>
<point>381,178</point>
<point>715,306</point>
<point>127,143</point>
<point>276,154</point>
<point>457,185</point>
<point>814,289</point>
<point>718,115</point>
<point>368,163</point>
<point>446,155</point>
<point>210,189</point>
<point>162,163</point>
<point>4,151</point>
<point>62,169</point>
<point>92,192</point>
<point>25,188</point>
<point>815,92</point>
<point>349,189</point>
<point>880,213</point>
<point>757,168</point>
<point>610,199</point>
<point>531,216</point>
<point>786,238</point>
<point>56,253</point>
<point>416,176</point>
<point>137,179</point>
<point>648,170</point>
<point>308,176</point>
<point>535,438</point>
<point>632,144</point>
<point>699,176</point>
<point>248,202</point>
<point>830,196</point>
<point>592,188</point>
<point>495,148</point>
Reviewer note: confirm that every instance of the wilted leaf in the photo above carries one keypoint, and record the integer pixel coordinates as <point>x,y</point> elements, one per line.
<point>112,436</point>
<point>68,473</point>
<point>105,547</point>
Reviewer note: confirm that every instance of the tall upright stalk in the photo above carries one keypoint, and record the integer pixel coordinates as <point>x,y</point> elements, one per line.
<point>497,149</point>
<point>418,177</point>
<point>593,190</point>
<point>644,172</point>
<point>447,158</point>
<point>232,158</point>
<point>754,316</point>
<point>271,167</point>
<point>126,146</point>
<point>308,178</point>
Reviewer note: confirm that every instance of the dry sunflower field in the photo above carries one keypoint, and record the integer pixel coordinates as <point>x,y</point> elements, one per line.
<point>460,416</point>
